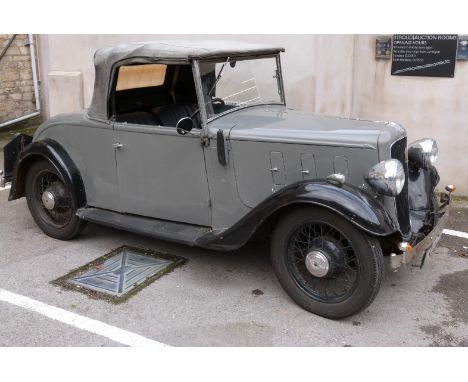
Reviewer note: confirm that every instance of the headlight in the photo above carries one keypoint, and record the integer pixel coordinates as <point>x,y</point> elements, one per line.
<point>387,177</point>
<point>423,153</point>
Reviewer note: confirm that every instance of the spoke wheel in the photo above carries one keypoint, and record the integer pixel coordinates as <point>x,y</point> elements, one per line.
<point>54,199</point>
<point>51,202</point>
<point>326,265</point>
<point>323,262</point>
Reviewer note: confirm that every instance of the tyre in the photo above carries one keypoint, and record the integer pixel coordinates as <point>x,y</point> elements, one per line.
<point>50,202</point>
<point>325,264</point>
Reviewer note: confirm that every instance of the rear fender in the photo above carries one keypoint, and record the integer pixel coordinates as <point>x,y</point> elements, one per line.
<point>51,151</point>
<point>11,152</point>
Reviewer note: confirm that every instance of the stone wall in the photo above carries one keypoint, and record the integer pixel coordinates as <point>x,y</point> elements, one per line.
<point>16,82</point>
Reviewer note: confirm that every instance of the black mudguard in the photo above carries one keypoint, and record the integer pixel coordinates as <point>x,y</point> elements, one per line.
<point>11,152</point>
<point>421,186</point>
<point>51,151</point>
<point>353,204</point>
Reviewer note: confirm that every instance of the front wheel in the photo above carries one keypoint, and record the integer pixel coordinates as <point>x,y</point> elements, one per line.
<point>51,203</point>
<point>325,264</point>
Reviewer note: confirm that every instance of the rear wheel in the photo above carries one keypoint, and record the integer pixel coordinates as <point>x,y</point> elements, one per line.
<point>51,203</point>
<point>325,264</point>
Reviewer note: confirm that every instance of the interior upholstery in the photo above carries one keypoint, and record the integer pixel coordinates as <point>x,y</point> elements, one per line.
<point>169,115</point>
<point>163,105</point>
<point>139,118</point>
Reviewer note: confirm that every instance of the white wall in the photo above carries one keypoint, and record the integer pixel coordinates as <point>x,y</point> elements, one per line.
<point>330,74</point>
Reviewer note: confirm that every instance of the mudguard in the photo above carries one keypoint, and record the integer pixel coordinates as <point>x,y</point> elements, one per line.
<point>353,204</point>
<point>50,150</point>
<point>11,152</point>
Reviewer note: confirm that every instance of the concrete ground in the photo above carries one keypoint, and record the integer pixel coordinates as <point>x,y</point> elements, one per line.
<point>210,301</point>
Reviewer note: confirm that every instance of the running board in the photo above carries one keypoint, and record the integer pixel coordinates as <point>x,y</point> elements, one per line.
<point>159,229</point>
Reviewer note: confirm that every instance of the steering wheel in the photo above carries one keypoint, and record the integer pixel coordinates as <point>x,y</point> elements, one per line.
<point>217,100</point>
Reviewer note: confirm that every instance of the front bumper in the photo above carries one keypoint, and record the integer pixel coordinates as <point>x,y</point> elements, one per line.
<point>426,245</point>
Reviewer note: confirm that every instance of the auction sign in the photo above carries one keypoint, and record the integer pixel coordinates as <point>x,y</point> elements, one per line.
<point>426,55</point>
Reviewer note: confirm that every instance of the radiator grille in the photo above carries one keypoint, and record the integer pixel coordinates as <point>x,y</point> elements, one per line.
<point>398,151</point>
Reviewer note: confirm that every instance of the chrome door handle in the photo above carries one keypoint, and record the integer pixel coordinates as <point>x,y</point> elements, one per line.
<point>117,145</point>
<point>274,169</point>
<point>306,172</point>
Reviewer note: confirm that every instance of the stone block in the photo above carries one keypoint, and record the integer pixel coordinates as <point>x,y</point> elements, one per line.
<point>10,75</point>
<point>15,96</point>
<point>28,96</point>
<point>12,50</point>
<point>24,50</point>
<point>19,58</point>
<point>26,74</point>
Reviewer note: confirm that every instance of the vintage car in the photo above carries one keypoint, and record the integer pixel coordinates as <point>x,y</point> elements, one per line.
<point>192,142</point>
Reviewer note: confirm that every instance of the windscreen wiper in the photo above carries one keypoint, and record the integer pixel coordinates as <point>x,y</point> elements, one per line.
<point>218,77</point>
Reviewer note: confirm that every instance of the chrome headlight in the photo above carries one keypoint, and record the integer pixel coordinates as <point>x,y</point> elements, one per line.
<point>387,177</point>
<point>423,153</point>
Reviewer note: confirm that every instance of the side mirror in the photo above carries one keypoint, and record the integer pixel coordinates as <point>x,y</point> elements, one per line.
<point>184,126</point>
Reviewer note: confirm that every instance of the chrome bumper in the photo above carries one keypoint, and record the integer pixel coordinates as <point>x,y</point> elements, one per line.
<point>425,246</point>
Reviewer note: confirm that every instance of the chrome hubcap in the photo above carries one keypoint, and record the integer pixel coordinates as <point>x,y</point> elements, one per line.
<point>317,263</point>
<point>48,200</point>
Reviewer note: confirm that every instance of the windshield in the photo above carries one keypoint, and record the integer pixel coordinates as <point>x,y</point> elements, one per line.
<point>232,83</point>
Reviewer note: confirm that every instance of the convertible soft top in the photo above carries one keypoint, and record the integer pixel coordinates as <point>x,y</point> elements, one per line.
<point>184,50</point>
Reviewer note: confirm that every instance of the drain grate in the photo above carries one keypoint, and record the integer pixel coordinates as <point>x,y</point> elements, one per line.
<point>119,274</point>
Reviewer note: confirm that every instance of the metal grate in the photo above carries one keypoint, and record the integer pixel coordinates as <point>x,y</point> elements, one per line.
<point>398,151</point>
<point>119,274</point>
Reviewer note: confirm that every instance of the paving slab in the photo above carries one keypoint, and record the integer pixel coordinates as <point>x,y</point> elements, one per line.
<point>219,299</point>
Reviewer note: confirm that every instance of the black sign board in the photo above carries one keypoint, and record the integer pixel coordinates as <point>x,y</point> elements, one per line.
<point>424,55</point>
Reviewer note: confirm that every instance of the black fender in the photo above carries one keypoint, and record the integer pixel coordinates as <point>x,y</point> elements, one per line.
<point>11,152</point>
<point>51,151</point>
<point>352,203</point>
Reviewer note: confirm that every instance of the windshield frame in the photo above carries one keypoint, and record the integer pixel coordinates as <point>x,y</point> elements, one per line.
<point>200,93</point>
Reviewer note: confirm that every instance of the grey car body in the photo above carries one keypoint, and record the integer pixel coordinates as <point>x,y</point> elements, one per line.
<point>239,172</point>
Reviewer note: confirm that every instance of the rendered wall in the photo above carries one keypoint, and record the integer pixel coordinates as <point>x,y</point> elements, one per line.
<point>329,74</point>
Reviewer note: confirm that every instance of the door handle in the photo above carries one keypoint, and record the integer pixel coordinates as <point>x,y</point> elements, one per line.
<point>306,172</point>
<point>117,145</point>
<point>274,169</point>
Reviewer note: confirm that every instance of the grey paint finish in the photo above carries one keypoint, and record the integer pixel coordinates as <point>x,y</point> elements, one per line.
<point>340,165</point>
<point>252,166</point>
<point>328,144</point>
<point>279,124</point>
<point>162,174</point>
<point>89,145</point>
<point>309,169</point>
<point>277,169</point>
<point>226,206</point>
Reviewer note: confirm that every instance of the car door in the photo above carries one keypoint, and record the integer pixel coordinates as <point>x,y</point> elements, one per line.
<point>161,174</point>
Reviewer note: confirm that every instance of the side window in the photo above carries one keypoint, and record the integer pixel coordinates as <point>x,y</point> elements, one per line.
<point>155,94</point>
<point>140,76</point>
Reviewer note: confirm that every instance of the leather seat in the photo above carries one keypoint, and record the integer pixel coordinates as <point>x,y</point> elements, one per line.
<point>169,115</point>
<point>139,118</point>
